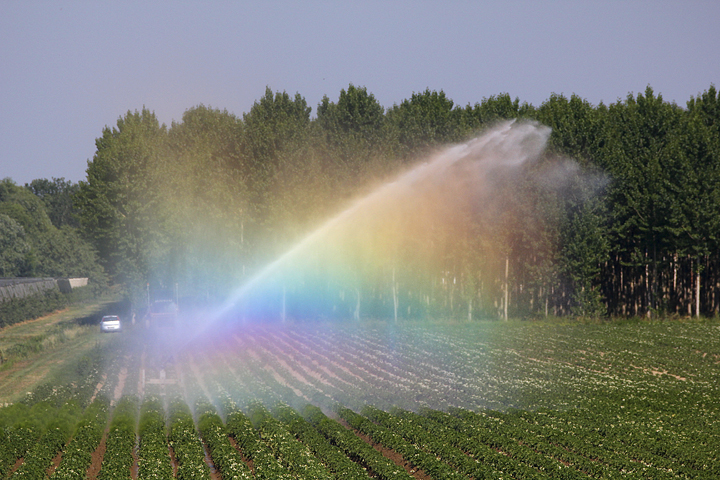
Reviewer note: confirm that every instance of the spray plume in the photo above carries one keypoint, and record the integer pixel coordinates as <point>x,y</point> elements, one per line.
<point>415,218</point>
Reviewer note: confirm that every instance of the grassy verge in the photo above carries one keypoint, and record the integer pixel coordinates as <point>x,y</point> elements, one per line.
<point>38,351</point>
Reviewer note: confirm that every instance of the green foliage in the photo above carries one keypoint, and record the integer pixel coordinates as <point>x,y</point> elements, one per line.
<point>226,458</point>
<point>57,197</point>
<point>31,245</point>
<point>88,433</point>
<point>186,444</point>
<point>337,462</point>
<point>16,258</point>
<point>118,203</point>
<point>153,454</point>
<point>426,120</point>
<point>248,439</point>
<point>19,309</point>
<point>38,458</point>
<point>630,226</point>
<point>497,107</point>
<point>292,454</point>
<point>354,122</point>
<point>586,249</point>
<point>390,434</point>
<point>353,446</point>
<point>118,458</point>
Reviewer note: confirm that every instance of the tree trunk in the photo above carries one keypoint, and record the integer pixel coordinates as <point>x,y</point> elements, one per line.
<point>505,302</point>
<point>697,289</point>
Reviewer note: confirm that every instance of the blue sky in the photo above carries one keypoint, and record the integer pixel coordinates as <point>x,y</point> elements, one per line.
<point>69,68</point>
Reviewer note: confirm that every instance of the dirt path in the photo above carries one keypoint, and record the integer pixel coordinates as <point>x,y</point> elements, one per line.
<point>120,385</point>
<point>97,458</point>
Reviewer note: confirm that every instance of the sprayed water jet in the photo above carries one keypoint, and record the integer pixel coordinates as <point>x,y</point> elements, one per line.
<point>404,225</point>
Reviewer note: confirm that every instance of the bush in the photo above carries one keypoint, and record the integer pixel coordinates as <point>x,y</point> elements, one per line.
<point>20,309</point>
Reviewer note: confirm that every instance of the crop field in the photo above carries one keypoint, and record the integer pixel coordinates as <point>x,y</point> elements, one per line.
<point>379,400</point>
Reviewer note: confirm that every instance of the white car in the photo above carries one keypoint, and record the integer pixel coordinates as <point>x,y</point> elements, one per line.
<point>110,323</point>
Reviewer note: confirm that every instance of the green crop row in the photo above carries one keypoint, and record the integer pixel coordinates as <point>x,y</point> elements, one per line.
<point>38,458</point>
<point>608,445</point>
<point>389,434</point>
<point>225,457</point>
<point>537,443</point>
<point>88,434</point>
<point>118,458</point>
<point>15,439</point>
<point>353,446</point>
<point>265,464</point>
<point>595,457</point>
<point>522,461</point>
<point>497,434</point>
<point>493,462</point>
<point>186,444</point>
<point>154,453</point>
<point>334,458</point>
<point>487,463</point>
<point>24,427</point>
<point>292,454</point>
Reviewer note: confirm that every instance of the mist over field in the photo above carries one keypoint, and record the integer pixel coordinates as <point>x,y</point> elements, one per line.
<point>365,296</point>
<point>267,272</point>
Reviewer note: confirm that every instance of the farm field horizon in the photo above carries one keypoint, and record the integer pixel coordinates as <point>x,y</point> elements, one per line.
<point>533,399</point>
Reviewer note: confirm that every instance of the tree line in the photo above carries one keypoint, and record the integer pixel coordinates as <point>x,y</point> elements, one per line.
<point>202,205</point>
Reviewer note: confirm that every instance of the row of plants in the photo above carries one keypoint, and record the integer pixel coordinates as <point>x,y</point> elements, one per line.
<point>354,447</point>
<point>584,466</point>
<point>121,438</point>
<point>186,444</point>
<point>485,457</point>
<point>607,443</point>
<point>22,426</point>
<point>16,310</point>
<point>153,452</point>
<point>334,458</point>
<point>521,460</point>
<point>225,457</point>
<point>77,455</point>
<point>620,398</point>
<point>39,457</point>
<point>603,450</point>
<point>482,460</point>
<point>391,436</point>
<point>265,465</point>
<point>292,454</point>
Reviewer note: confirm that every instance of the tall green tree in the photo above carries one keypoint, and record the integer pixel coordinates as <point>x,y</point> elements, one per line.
<point>274,127</point>
<point>15,254</point>
<point>57,194</point>
<point>30,245</point>
<point>635,153</point>
<point>119,202</point>
<point>495,108</point>
<point>575,126</point>
<point>353,125</point>
<point>427,119</point>
<point>205,197</point>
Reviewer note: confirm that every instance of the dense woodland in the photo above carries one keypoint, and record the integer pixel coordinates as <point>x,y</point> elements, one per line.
<point>202,205</point>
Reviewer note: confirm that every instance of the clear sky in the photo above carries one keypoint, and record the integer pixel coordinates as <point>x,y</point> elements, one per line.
<point>69,68</point>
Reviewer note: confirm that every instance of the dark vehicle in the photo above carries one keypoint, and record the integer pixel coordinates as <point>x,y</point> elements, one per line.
<point>110,323</point>
<point>162,313</point>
